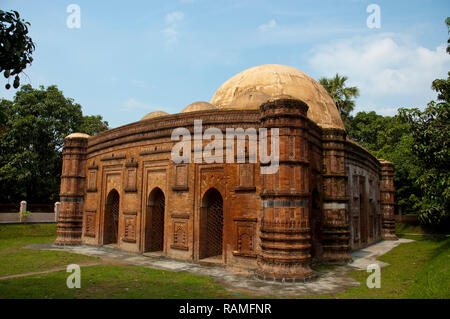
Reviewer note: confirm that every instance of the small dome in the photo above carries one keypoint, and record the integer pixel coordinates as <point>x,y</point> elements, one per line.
<point>198,106</point>
<point>154,114</point>
<point>78,135</point>
<point>249,100</point>
<point>275,80</point>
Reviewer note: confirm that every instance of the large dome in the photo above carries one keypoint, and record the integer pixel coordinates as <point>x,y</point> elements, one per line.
<point>275,80</point>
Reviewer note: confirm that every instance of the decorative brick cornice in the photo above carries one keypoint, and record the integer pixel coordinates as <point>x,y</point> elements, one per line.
<point>162,127</point>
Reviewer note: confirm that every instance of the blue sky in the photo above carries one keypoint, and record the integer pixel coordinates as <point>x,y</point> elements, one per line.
<point>133,57</point>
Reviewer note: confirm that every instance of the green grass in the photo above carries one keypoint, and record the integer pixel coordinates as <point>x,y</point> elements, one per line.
<point>418,270</point>
<point>407,228</point>
<point>102,281</point>
<point>108,281</point>
<point>417,229</point>
<point>19,235</point>
<point>15,259</point>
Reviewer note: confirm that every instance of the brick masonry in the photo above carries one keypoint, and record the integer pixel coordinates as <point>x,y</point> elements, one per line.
<point>329,196</point>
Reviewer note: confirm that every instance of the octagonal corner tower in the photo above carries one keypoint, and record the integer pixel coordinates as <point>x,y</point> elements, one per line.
<point>274,80</point>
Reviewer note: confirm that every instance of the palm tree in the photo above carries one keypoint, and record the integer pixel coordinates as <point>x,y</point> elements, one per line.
<point>341,95</point>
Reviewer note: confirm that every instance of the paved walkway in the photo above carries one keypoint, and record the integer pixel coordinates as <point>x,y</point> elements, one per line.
<point>331,281</point>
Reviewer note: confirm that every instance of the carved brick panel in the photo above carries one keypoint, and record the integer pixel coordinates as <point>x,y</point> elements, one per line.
<point>335,217</point>
<point>129,234</point>
<point>246,173</point>
<point>181,178</point>
<point>92,178</point>
<point>180,231</point>
<point>335,187</point>
<point>245,237</point>
<point>131,176</point>
<point>113,180</point>
<point>90,223</point>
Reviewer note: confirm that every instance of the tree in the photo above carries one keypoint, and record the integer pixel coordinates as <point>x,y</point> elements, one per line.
<point>341,95</point>
<point>92,124</point>
<point>31,143</point>
<point>16,47</point>
<point>431,137</point>
<point>390,138</point>
<point>430,130</point>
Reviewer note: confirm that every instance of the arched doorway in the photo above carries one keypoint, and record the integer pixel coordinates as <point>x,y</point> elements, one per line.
<point>111,224</point>
<point>211,224</point>
<point>154,221</point>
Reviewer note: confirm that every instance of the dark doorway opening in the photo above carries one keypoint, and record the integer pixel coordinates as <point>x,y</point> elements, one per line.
<point>111,224</point>
<point>211,225</point>
<point>154,221</point>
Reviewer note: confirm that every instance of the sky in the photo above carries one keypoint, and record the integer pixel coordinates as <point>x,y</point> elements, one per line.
<point>129,58</point>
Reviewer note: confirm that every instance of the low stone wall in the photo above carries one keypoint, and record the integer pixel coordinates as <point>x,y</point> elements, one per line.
<point>40,213</point>
<point>6,218</point>
<point>409,218</point>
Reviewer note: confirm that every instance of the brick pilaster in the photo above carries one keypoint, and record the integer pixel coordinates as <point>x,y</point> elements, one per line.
<point>73,180</point>
<point>335,234</point>
<point>285,232</point>
<point>387,200</point>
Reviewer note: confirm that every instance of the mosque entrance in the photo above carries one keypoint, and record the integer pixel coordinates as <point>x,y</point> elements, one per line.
<point>211,225</point>
<point>154,221</point>
<point>111,224</point>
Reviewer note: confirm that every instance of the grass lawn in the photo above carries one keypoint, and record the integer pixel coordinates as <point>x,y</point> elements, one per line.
<point>417,270</point>
<point>109,281</point>
<point>101,281</point>
<point>15,259</point>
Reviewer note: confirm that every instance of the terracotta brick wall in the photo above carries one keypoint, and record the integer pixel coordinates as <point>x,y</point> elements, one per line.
<point>260,213</point>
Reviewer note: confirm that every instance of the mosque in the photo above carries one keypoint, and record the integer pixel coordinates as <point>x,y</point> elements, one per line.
<point>328,197</point>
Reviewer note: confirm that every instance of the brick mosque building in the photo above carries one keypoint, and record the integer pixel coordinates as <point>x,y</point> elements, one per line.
<point>329,196</point>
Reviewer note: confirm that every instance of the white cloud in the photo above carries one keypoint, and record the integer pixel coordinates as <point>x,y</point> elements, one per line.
<point>171,32</point>
<point>384,67</point>
<point>174,17</point>
<point>272,24</point>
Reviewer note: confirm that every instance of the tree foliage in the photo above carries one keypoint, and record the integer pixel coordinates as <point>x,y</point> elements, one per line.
<point>16,47</point>
<point>415,141</point>
<point>37,121</point>
<point>389,138</point>
<point>430,130</point>
<point>342,95</point>
<point>92,124</point>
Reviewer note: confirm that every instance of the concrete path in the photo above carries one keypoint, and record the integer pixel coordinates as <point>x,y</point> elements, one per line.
<point>331,281</point>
